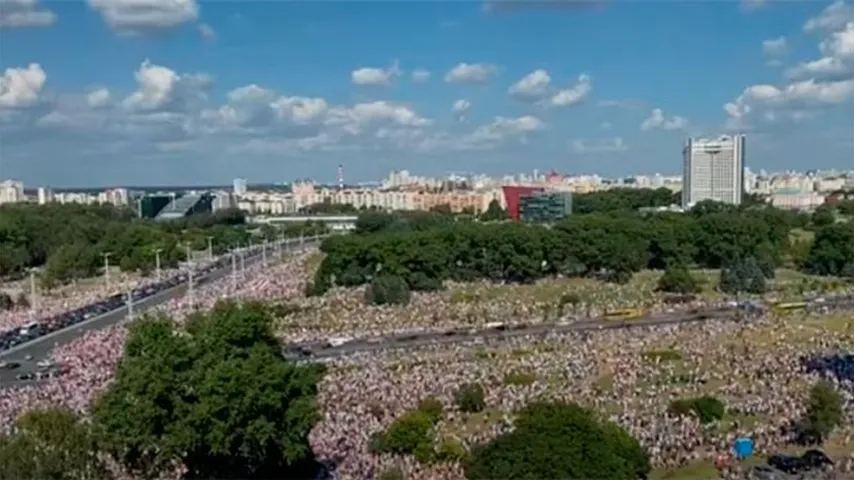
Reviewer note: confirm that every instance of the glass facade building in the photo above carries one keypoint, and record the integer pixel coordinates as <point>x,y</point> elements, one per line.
<point>545,206</point>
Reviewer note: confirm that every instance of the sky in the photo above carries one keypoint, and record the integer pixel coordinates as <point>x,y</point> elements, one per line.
<point>177,92</point>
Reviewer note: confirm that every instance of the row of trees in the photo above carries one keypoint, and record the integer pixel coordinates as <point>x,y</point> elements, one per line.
<point>438,248</point>
<point>67,241</point>
<point>218,400</point>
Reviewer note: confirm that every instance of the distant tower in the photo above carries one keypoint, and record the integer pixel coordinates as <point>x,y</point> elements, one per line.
<point>340,177</point>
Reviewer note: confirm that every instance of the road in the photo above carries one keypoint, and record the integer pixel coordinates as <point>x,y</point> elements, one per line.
<point>40,348</point>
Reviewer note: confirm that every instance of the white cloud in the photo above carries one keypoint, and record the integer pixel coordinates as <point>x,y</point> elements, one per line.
<point>22,87</point>
<point>837,61</point>
<point>460,107</point>
<point>99,98</point>
<point>809,87</point>
<point>658,121</point>
<point>775,47</point>
<point>420,75</point>
<point>471,73</point>
<point>612,145</point>
<point>534,85</point>
<point>25,13</point>
<point>161,88</point>
<point>375,76</point>
<point>574,94</point>
<point>207,32</point>
<point>834,17</point>
<point>135,17</point>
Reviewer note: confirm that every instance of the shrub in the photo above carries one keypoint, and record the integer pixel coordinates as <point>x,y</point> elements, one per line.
<point>678,280</point>
<point>559,441</point>
<point>407,432</point>
<point>706,408</point>
<point>470,398</point>
<point>432,408</point>
<point>450,450</point>
<point>824,413</point>
<point>387,290</point>
<point>420,282</point>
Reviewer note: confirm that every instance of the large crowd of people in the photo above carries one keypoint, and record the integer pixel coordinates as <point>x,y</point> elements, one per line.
<point>755,366</point>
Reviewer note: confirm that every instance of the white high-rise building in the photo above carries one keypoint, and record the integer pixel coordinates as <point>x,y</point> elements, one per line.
<point>239,186</point>
<point>11,191</point>
<point>713,170</point>
<point>45,195</point>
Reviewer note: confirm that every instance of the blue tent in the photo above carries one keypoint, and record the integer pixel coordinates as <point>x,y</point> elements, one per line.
<point>743,448</point>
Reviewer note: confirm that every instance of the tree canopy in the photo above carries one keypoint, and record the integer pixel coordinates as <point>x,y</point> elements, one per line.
<point>614,244</point>
<point>50,444</point>
<point>217,397</point>
<point>559,441</point>
<point>67,240</point>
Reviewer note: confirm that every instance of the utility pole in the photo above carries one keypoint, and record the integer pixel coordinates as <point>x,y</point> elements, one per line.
<point>233,270</point>
<point>33,299</point>
<point>243,263</point>
<point>129,299</point>
<point>264,253</point>
<point>190,292</point>
<point>210,248</point>
<point>157,263</point>
<point>301,241</point>
<point>189,256</point>
<point>106,256</point>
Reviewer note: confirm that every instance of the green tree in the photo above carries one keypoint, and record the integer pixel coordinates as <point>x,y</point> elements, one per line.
<point>824,413</point>
<point>387,290</point>
<point>823,216</point>
<point>470,398</point>
<point>678,280</point>
<point>494,212</point>
<point>832,249</point>
<point>559,441</point>
<point>219,398</point>
<point>52,444</point>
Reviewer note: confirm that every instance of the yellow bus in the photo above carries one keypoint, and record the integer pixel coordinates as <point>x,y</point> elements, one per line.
<point>624,314</point>
<point>786,307</point>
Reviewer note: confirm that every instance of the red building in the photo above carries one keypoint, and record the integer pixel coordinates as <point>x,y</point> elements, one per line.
<point>513,194</point>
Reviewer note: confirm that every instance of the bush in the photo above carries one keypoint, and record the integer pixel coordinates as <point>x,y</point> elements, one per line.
<point>559,441</point>
<point>470,398</point>
<point>678,280</point>
<point>824,413</point>
<point>432,408</point>
<point>450,450</point>
<point>387,290</point>
<point>420,282</point>
<point>407,432</point>
<point>707,409</point>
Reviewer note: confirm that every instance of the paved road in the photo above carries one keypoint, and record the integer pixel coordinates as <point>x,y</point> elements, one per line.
<point>39,348</point>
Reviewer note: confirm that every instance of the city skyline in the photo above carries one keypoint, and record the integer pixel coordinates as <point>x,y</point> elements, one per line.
<point>175,93</point>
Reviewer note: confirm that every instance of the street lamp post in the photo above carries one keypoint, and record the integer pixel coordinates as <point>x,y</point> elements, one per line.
<point>106,256</point>
<point>264,253</point>
<point>210,247</point>
<point>243,263</point>
<point>157,271</point>
<point>33,298</point>
<point>129,299</point>
<point>233,270</point>
<point>190,293</point>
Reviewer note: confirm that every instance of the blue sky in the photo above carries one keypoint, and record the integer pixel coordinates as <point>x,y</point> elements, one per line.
<point>118,92</point>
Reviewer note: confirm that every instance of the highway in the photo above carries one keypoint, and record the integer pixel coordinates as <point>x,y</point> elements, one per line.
<point>38,349</point>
